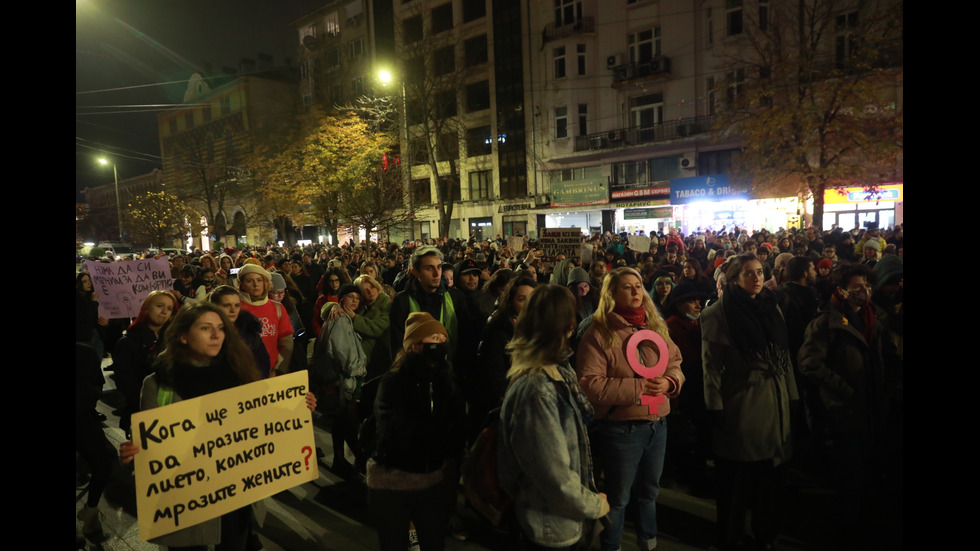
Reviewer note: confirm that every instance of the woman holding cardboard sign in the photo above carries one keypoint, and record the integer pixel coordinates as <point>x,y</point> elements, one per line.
<point>628,367</point>
<point>202,354</point>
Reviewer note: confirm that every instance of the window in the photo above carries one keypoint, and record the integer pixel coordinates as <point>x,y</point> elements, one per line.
<point>567,12</point>
<point>188,120</point>
<point>447,185</point>
<point>357,86</point>
<point>446,104</point>
<point>646,113</point>
<point>478,96</point>
<point>733,17</point>
<point>476,50</point>
<point>561,122</point>
<point>336,91</point>
<point>442,18</point>
<point>210,149</point>
<point>354,11</point>
<point>421,191</point>
<point>560,62</point>
<point>225,105</point>
<point>419,150</point>
<point>474,9</point>
<point>355,48</point>
<point>580,48</point>
<point>709,26</point>
<point>709,86</point>
<point>412,29</point>
<point>206,112</point>
<point>736,80</point>
<point>229,145</point>
<point>480,184</point>
<point>479,141</point>
<point>447,147</point>
<point>763,15</point>
<point>715,162</point>
<point>644,45</point>
<point>304,70</point>
<point>444,60</point>
<point>845,26</point>
<point>332,60</point>
<point>583,118</point>
<point>332,24</point>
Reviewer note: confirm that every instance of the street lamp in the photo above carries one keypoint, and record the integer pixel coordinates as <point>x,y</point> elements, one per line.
<point>385,77</point>
<point>115,176</point>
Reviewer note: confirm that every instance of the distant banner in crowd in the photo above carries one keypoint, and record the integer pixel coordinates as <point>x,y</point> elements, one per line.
<point>516,243</point>
<point>122,286</point>
<point>204,457</point>
<point>566,241</point>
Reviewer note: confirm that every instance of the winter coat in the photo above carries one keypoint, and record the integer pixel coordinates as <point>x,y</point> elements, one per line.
<point>338,356</point>
<point>543,456</point>
<point>420,418</point>
<point>855,377</point>
<point>755,408</point>
<point>611,384</point>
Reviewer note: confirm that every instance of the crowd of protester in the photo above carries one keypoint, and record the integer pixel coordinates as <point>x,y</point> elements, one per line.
<point>770,345</point>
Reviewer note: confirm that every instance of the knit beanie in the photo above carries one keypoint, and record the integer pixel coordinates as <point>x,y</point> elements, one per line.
<point>347,289</point>
<point>420,325</point>
<point>277,281</point>
<point>254,269</point>
<point>578,275</point>
<point>825,263</point>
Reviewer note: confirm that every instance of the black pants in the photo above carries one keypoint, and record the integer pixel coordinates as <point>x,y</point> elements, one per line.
<point>92,445</point>
<point>393,510</point>
<point>744,485</point>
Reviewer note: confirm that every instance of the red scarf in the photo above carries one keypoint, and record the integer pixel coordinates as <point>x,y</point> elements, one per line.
<point>633,316</point>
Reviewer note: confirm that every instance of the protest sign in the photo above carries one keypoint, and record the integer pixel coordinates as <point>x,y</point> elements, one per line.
<point>122,286</point>
<point>207,456</point>
<point>639,243</point>
<point>516,243</point>
<point>566,241</point>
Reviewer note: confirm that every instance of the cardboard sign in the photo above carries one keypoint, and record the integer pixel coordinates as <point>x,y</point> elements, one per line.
<point>207,456</point>
<point>639,243</point>
<point>516,243</point>
<point>648,372</point>
<point>122,286</point>
<point>566,241</point>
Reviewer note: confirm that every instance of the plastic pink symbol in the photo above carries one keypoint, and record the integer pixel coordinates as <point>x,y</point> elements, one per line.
<point>648,372</point>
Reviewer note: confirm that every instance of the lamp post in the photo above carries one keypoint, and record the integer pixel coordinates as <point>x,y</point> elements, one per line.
<point>386,77</point>
<point>115,176</point>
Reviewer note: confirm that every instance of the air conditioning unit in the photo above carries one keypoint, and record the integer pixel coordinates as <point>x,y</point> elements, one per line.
<point>614,61</point>
<point>689,160</point>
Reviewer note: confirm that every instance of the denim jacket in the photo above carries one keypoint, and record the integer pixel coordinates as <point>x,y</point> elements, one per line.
<point>543,457</point>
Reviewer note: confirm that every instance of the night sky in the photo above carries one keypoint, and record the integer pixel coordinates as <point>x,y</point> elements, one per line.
<point>133,57</point>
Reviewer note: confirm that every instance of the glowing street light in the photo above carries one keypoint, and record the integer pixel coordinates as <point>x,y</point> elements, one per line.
<point>115,176</point>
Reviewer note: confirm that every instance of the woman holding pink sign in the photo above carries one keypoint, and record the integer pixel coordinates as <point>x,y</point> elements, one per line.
<point>628,367</point>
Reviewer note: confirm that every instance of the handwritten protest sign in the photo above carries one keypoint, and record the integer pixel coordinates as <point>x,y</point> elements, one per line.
<point>566,241</point>
<point>207,456</point>
<point>122,286</point>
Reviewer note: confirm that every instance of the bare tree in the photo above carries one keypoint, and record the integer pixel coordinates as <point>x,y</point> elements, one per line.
<point>810,89</point>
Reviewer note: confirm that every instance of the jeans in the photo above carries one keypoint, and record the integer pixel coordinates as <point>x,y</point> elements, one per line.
<point>633,459</point>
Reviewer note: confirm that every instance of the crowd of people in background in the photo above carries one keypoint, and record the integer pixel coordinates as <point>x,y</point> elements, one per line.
<point>777,348</point>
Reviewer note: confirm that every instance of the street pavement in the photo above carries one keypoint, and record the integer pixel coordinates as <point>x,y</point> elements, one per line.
<point>330,513</point>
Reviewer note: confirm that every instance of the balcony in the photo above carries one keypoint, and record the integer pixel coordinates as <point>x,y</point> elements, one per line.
<point>662,132</point>
<point>554,31</point>
<point>658,66</point>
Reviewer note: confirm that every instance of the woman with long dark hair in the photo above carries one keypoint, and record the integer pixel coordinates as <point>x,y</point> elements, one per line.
<point>748,386</point>
<point>544,442</point>
<point>87,318</point>
<point>133,357</point>
<point>633,435</point>
<point>202,355</point>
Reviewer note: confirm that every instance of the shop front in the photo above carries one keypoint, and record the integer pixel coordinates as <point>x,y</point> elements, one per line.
<point>857,207</point>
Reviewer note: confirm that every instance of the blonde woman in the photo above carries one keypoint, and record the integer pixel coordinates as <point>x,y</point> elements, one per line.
<point>633,434</point>
<point>544,444</point>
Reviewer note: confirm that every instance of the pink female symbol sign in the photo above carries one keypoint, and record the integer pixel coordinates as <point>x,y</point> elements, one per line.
<point>648,372</point>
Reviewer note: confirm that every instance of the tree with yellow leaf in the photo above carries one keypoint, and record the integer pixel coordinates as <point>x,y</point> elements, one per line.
<point>157,218</point>
<point>324,169</point>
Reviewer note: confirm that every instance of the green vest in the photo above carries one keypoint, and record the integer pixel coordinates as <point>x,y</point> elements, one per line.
<point>447,317</point>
